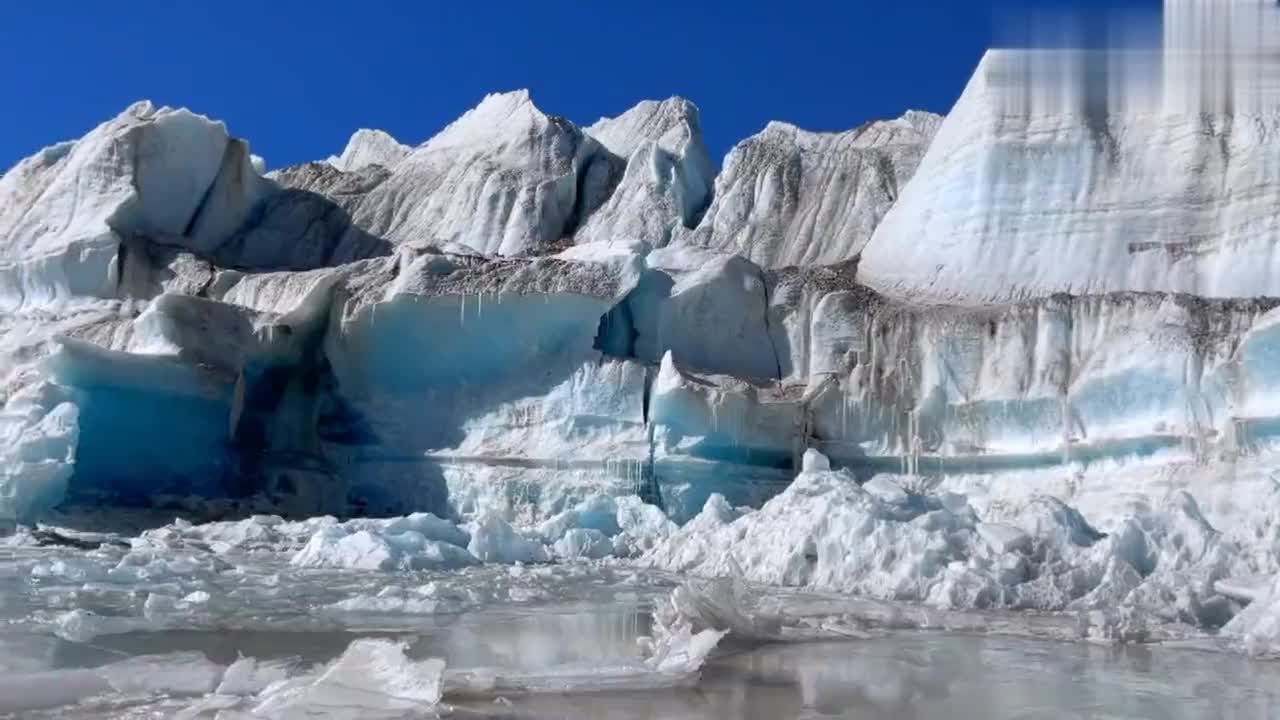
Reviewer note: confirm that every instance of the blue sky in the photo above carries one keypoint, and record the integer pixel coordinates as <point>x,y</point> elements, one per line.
<point>296,78</point>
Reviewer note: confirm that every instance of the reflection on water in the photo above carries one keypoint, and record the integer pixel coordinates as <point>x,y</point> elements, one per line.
<point>918,676</point>
<point>904,676</point>
<point>557,637</point>
<point>939,676</point>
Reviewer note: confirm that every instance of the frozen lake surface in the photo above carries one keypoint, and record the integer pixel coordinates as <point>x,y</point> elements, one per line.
<point>122,632</point>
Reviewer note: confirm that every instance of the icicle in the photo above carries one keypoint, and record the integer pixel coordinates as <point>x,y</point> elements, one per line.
<point>844,413</point>
<point>914,433</point>
<point>1188,437</point>
<point>1066,431</point>
<point>902,450</point>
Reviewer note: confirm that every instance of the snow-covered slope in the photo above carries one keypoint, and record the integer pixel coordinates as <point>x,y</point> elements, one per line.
<point>792,197</point>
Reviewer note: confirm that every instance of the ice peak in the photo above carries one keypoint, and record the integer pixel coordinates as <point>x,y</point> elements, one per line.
<point>140,109</point>
<point>912,127</point>
<point>674,107</point>
<point>520,96</point>
<point>672,123</point>
<point>146,111</point>
<point>496,116</point>
<point>370,147</point>
<point>922,120</point>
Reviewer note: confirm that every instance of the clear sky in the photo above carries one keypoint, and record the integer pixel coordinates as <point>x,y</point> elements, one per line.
<point>296,78</point>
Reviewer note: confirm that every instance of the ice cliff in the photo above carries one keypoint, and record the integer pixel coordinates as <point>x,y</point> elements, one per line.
<point>479,319</point>
<point>1040,324</point>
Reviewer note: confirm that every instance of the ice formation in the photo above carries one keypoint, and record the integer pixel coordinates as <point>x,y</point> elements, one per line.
<point>790,197</point>
<point>880,540</point>
<point>1083,173</point>
<point>1023,357</point>
<point>373,678</point>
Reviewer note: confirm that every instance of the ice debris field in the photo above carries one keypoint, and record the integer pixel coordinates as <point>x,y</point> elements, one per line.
<point>1011,372</point>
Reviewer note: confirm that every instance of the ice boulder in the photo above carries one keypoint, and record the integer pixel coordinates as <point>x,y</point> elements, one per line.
<point>815,461</point>
<point>1257,627</point>
<point>418,542</point>
<point>705,424</point>
<point>642,524</point>
<point>706,307</point>
<point>39,433</point>
<point>373,678</point>
<point>586,543</point>
<point>493,540</point>
<point>249,676</point>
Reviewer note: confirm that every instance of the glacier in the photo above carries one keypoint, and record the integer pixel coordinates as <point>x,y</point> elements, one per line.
<point>1014,367</point>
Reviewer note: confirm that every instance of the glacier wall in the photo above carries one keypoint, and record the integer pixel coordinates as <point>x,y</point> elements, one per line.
<point>520,314</point>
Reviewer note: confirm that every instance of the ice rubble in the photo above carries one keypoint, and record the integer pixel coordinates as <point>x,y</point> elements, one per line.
<point>372,677</point>
<point>392,546</point>
<point>880,540</point>
<point>601,526</point>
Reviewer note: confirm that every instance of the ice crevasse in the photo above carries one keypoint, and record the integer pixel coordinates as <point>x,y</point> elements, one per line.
<point>566,341</point>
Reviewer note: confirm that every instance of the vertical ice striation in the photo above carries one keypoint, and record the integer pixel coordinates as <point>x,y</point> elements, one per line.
<point>788,196</point>
<point>1063,171</point>
<point>1220,57</point>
